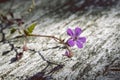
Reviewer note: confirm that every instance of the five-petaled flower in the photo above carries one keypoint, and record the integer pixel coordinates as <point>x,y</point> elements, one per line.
<point>75,37</point>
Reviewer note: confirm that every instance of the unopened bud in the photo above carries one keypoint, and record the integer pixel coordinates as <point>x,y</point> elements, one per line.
<point>25,48</point>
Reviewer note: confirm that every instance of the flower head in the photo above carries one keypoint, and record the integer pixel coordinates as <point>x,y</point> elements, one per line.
<point>75,37</point>
<point>68,54</point>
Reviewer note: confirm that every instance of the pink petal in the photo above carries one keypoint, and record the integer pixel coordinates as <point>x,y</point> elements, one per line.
<point>79,44</point>
<point>78,31</point>
<point>68,54</point>
<point>82,39</point>
<point>70,42</point>
<point>69,32</point>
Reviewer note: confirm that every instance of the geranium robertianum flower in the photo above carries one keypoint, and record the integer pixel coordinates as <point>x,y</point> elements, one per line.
<point>75,37</point>
<point>68,54</point>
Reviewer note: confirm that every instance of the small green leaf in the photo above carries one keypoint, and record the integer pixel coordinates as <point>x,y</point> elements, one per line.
<point>26,32</point>
<point>12,30</point>
<point>31,27</point>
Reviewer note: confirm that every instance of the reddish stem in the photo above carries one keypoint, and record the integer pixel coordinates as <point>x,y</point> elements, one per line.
<point>61,41</point>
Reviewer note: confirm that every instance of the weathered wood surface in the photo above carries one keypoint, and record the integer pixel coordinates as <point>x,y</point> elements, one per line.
<point>98,60</point>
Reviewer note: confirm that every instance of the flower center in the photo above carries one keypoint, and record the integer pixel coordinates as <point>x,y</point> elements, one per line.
<point>75,38</point>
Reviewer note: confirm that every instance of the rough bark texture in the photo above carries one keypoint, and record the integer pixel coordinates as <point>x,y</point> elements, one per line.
<point>98,60</point>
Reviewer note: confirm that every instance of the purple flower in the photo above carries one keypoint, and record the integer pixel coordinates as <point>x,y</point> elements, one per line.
<point>75,37</point>
<point>68,54</point>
